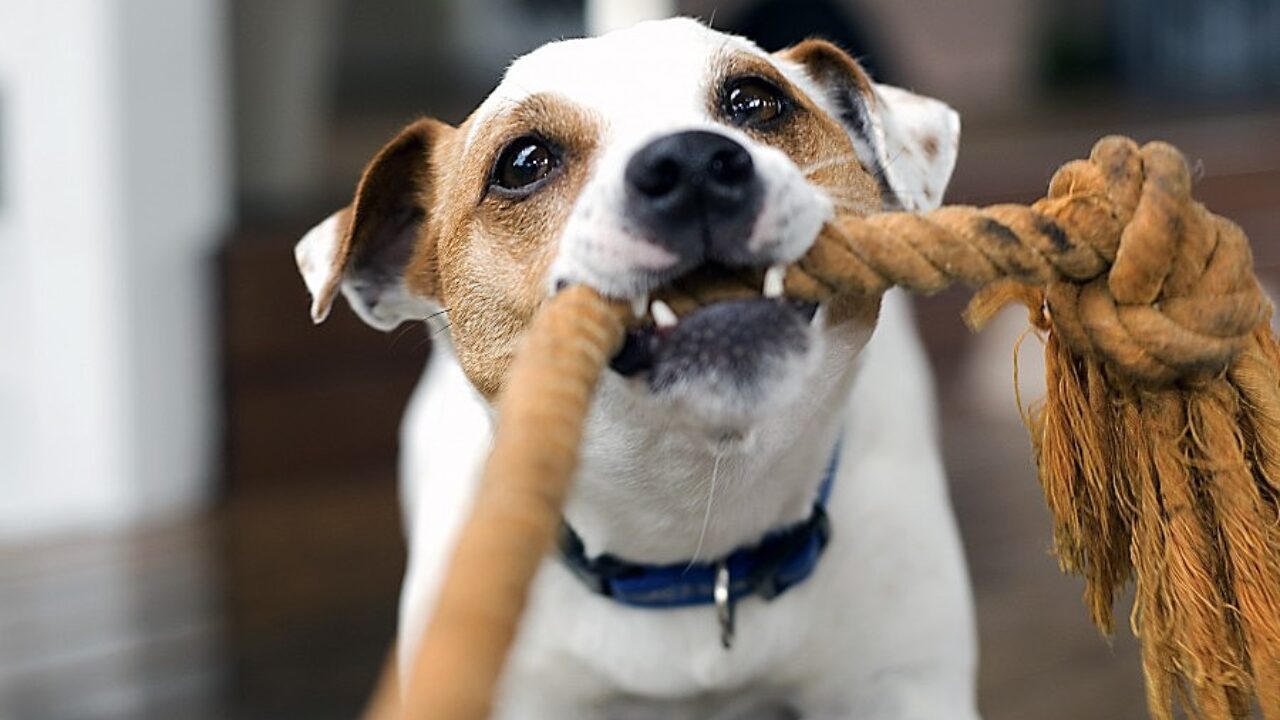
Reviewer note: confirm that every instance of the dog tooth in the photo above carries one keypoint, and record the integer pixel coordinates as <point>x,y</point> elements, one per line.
<point>773,278</point>
<point>640,305</point>
<point>663,315</point>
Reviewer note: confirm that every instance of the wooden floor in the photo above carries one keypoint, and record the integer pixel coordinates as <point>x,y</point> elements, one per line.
<point>276,607</point>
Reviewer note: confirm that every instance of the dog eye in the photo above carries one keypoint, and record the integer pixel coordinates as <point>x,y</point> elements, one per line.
<point>523,164</point>
<point>754,102</point>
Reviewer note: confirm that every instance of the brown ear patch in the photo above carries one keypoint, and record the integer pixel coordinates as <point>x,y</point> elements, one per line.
<point>829,66</point>
<point>378,232</point>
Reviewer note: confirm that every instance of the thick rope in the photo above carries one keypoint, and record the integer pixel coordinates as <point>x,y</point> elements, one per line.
<point>516,514</point>
<point>1158,445</point>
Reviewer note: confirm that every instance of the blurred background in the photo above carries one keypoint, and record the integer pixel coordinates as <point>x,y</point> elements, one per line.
<point>197,487</point>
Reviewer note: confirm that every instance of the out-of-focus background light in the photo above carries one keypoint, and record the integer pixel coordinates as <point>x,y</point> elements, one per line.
<point>197,487</point>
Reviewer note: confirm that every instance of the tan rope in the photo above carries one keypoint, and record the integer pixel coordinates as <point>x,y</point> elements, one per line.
<point>517,511</point>
<point>1158,444</point>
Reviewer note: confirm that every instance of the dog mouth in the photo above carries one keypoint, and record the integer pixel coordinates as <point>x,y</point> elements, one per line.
<point>713,319</point>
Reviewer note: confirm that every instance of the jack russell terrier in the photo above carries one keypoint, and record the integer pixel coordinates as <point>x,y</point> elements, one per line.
<point>760,523</point>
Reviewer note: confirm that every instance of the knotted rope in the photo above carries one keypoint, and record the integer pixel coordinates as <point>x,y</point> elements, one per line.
<point>1158,444</point>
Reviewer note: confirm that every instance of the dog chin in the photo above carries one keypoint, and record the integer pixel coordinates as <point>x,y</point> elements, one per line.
<point>721,385</point>
<point>725,412</point>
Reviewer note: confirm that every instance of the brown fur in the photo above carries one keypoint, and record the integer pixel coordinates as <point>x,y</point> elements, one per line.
<point>487,254</point>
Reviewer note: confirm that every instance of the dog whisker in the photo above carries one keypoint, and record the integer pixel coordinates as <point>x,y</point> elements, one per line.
<point>431,336</point>
<point>706,515</point>
<point>400,335</point>
<point>843,198</point>
<point>410,328</point>
<point>810,169</point>
<point>852,207</point>
<point>896,156</point>
<point>846,199</point>
<point>836,192</point>
<point>919,195</point>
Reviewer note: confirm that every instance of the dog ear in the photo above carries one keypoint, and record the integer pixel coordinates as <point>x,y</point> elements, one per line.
<point>365,249</point>
<point>908,141</point>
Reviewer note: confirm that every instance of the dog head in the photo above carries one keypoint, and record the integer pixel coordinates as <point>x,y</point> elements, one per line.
<point>669,164</point>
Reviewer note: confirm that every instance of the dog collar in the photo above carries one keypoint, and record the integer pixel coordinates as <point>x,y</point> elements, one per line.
<point>781,560</point>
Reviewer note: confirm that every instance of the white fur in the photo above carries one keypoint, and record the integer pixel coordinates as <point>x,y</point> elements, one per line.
<point>903,121</point>
<point>314,255</point>
<point>883,630</point>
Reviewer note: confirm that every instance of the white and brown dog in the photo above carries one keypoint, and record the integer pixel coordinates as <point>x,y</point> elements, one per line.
<point>760,523</point>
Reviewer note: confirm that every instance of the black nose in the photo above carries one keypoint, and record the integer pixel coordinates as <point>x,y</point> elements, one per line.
<point>695,192</point>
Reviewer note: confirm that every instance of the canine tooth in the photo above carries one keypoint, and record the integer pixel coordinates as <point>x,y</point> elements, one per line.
<point>640,305</point>
<point>663,315</point>
<point>773,278</point>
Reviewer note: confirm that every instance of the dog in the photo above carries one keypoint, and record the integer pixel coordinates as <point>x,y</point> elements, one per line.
<point>760,525</point>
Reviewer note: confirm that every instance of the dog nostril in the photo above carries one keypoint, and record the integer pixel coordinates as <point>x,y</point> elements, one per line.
<point>659,178</point>
<point>731,167</point>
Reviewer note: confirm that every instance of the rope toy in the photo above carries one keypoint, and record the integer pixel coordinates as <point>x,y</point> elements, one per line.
<point>1158,444</point>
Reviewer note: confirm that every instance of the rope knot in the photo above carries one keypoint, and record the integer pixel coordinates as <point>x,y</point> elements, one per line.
<point>1179,299</point>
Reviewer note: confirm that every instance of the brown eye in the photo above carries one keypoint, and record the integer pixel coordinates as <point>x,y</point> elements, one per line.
<point>754,102</point>
<point>523,165</point>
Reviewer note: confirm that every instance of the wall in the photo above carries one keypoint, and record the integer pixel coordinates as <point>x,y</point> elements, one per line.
<point>114,175</point>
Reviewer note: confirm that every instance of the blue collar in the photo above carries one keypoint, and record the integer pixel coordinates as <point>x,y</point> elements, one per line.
<point>781,560</point>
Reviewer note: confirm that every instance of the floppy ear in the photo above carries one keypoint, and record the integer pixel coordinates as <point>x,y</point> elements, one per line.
<point>908,141</point>
<point>365,249</point>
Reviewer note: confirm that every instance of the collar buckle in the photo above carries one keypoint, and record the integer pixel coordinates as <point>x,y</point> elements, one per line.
<point>724,603</point>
